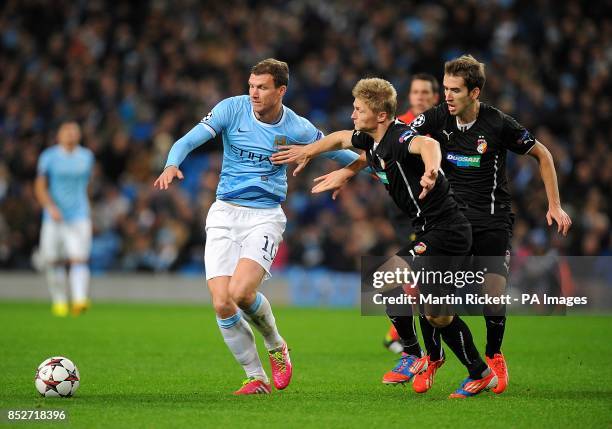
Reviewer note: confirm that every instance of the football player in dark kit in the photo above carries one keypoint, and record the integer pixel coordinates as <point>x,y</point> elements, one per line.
<point>423,94</point>
<point>408,165</point>
<point>475,138</point>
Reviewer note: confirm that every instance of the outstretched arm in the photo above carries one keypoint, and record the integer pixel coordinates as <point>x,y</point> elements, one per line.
<point>338,178</point>
<point>549,177</point>
<point>179,151</point>
<point>303,154</point>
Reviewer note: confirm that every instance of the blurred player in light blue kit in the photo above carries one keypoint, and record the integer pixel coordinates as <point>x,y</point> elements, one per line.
<point>244,226</point>
<point>61,188</point>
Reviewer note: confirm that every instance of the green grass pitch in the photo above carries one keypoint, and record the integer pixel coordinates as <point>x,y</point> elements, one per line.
<point>166,366</point>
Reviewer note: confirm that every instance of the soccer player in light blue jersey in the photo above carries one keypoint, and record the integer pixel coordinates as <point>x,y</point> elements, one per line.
<point>61,188</point>
<point>244,226</point>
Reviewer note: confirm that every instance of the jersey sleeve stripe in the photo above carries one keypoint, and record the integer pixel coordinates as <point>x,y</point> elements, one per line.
<point>494,186</point>
<point>529,150</point>
<point>409,190</point>
<point>209,128</point>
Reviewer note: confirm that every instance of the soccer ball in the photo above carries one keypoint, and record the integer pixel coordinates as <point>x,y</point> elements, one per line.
<point>57,376</point>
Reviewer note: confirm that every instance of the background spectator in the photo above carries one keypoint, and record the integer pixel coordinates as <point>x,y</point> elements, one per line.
<point>137,75</point>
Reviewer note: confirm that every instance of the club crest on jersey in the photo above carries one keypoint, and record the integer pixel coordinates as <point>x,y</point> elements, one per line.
<point>507,260</point>
<point>418,121</point>
<point>482,145</point>
<point>420,248</point>
<point>280,140</point>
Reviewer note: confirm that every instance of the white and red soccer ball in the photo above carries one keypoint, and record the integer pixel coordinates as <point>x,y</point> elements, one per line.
<point>57,376</point>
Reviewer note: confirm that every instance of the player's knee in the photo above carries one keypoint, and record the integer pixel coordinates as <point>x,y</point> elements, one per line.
<point>494,310</point>
<point>439,321</point>
<point>222,303</point>
<point>243,296</point>
<point>224,307</point>
<point>495,284</point>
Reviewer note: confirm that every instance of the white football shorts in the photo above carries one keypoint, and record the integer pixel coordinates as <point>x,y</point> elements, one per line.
<point>65,241</point>
<point>234,232</point>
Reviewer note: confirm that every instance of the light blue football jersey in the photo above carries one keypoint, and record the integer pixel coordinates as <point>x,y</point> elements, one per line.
<point>248,177</point>
<point>67,175</point>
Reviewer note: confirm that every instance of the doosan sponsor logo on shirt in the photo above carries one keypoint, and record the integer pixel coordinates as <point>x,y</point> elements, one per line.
<point>463,160</point>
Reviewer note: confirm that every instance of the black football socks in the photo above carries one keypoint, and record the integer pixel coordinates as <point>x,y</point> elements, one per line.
<point>407,332</point>
<point>458,337</point>
<point>432,339</point>
<point>496,326</point>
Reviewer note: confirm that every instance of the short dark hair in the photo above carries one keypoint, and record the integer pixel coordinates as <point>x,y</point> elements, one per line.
<point>68,121</point>
<point>435,86</point>
<point>471,70</point>
<point>278,69</point>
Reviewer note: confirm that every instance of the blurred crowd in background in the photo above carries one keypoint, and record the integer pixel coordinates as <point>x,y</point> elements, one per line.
<point>137,75</point>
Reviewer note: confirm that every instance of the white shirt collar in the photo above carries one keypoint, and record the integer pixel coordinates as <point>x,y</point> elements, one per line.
<point>465,127</point>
